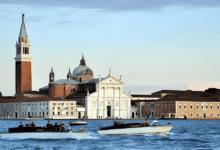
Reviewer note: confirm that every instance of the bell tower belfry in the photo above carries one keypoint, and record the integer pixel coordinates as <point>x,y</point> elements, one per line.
<point>23,73</point>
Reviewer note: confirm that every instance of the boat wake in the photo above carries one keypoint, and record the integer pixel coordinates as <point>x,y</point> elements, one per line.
<point>91,136</point>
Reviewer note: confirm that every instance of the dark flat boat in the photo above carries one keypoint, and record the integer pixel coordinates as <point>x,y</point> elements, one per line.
<point>76,123</point>
<point>39,132</point>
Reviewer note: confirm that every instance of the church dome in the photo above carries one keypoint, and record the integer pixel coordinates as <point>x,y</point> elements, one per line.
<point>82,69</point>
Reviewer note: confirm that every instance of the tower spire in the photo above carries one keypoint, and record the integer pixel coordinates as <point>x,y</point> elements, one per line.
<point>23,33</point>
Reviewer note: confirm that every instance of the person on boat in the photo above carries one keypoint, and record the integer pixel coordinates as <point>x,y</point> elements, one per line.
<point>33,124</point>
<point>49,126</point>
<point>56,127</point>
<point>29,124</point>
<point>21,125</point>
<point>146,123</point>
<point>62,126</point>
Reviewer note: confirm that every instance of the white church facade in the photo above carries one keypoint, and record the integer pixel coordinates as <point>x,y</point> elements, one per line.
<point>108,101</point>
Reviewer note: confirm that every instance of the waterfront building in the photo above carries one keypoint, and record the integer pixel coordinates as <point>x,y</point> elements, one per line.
<point>184,105</point>
<point>138,102</point>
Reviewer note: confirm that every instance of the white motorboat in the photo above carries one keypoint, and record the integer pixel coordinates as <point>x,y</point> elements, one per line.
<point>135,128</point>
<point>41,133</point>
<point>78,123</point>
<point>45,135</point>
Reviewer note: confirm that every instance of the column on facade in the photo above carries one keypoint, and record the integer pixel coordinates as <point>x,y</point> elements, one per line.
<point>87,107</point>
<point>104,102</point>
<point>98,101</point>
<point>120,102</point>
<point>128,109</point>
<point>114,99</point>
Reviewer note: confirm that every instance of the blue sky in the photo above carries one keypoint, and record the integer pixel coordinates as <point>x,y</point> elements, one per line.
<point>154,45</point>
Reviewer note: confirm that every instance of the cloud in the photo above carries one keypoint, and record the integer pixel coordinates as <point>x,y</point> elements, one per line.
<point>202,87</point>
<point>118,5</point>
<point>148,89</point>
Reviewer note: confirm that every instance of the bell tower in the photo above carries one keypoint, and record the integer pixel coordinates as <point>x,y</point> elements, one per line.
<point>23,59</point>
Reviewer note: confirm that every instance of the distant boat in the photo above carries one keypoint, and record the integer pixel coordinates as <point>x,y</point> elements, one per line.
<point>76,123</point>
<point>40,133</point>
<point>135,128</point>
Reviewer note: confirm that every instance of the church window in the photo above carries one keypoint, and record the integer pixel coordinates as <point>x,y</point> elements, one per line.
<point>191,106</point>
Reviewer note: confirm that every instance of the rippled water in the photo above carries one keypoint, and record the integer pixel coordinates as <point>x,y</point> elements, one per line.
<point>186,134</point>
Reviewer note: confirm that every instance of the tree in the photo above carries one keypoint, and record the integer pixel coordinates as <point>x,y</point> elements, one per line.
<point>212,90</point>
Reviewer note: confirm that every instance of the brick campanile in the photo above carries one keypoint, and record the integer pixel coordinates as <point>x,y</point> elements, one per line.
<point>23,59</point>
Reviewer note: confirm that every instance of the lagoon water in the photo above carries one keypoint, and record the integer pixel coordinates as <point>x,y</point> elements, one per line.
<point>186,134</point>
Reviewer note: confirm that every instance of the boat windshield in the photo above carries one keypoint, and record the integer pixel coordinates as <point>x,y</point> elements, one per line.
<point>155,124</point>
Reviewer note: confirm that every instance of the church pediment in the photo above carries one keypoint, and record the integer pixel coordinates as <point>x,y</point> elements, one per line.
<point>110,80</point>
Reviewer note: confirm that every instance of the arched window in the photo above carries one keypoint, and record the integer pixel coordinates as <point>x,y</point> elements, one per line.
<point>191,106</point>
